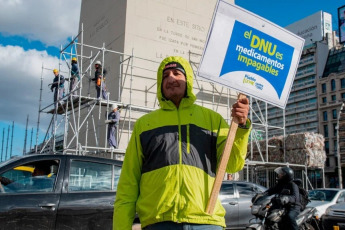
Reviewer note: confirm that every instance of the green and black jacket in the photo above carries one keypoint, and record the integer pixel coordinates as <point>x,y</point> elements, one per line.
<point>171,161</point>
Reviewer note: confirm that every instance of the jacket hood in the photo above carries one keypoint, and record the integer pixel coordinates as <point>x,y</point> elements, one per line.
<point>190,97</point>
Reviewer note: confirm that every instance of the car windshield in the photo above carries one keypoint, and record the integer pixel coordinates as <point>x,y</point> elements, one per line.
<point>322,195</point>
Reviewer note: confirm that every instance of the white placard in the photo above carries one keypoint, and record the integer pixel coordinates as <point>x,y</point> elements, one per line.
<point>251,55</point>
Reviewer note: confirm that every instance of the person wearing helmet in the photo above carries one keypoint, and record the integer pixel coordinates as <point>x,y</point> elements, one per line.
<point>171,159</point>
<point>113,122</point>
<point>74,80</point>
<point>59,86</point>
<point>100,80</point>
<point>291,201</point>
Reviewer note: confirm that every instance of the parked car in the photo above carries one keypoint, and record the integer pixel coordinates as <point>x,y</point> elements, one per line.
<point>323,198</point>
<point>334,216</point>
<point>77,193</point>
<point>236,197</point>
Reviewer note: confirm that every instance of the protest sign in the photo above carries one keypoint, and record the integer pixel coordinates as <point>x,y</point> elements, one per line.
<point>250,54</point>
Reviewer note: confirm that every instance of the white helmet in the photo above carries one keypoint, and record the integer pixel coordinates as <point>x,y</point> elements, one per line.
<point>98,62</point>
<point>114,106</point>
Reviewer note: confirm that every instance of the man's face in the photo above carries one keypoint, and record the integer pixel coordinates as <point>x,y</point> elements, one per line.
<point>96,66</point>
<point>56,74</point>
<point>280,175</point>
<point>174,85</point>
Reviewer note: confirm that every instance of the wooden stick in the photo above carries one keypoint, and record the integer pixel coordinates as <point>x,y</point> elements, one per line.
<point>223,162</point>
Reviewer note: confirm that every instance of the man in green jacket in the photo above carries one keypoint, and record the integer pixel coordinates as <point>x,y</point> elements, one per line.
<point>171,160</point>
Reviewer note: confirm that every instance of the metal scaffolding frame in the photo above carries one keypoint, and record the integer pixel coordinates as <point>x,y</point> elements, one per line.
<point>67,110</point>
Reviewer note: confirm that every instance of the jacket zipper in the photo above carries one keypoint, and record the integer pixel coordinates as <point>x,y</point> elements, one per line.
<point>188,142</point>
<point>180,163</point>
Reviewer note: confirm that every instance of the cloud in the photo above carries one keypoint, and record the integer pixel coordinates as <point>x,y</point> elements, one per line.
<point>48,21</point>
<point>21,81</point>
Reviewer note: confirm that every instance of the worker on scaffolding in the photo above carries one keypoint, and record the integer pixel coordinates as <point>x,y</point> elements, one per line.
<point>59,86</point>
<point>100,80</point>
<point>74,80</point>
<point>113,121</point>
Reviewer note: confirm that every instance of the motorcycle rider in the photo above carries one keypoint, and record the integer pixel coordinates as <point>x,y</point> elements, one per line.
<point>291,200</point>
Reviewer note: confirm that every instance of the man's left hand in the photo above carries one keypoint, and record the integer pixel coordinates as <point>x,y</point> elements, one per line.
<point>240,110</point>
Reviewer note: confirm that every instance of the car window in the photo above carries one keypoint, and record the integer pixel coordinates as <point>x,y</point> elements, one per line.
<point>117,172</point>
<point>322,195</point>
<point>35,176</point>
<point>245,190</point>
<point>341,197</point>
<point>90,176</point>
<point>227,189</point>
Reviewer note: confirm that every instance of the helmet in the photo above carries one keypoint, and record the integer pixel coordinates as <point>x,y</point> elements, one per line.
<point>114,106</point>
<point>74,59</point>
<point>55,71</point>
<point>285,172</point>
<point>98,63</point>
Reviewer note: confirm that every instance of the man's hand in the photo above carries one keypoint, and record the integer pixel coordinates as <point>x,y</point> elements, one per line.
<point>240,110</point>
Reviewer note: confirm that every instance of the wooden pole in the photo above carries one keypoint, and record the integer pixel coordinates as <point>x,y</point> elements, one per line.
<point>223,162</point>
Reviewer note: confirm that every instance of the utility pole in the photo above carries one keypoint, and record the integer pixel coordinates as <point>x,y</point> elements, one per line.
<point>8,137</point>
<point>32,132</point>
<point>26,135</point>
<point>12,139</point>
<point>3,139</point>
<point>39,110</point>
<point>338,148</point>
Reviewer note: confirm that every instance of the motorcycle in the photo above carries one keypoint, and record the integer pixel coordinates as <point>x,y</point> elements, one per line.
<point>269,211</point>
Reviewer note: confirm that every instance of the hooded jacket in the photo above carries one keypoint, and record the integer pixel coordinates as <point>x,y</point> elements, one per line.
<point>171,160</point>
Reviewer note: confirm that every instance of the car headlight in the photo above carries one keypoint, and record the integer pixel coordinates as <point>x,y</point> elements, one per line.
<point>317,215</point>
<point>255,209</point>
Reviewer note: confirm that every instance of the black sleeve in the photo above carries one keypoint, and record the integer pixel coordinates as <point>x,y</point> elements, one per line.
<point>272,190</point>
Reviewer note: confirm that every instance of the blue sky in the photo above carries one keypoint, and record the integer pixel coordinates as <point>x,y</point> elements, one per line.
<point>32,31</point>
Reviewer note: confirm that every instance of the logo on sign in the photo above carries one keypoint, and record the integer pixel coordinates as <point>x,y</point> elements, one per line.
<point>252,81</point>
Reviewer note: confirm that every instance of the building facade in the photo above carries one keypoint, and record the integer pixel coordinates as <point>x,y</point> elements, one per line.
<point>331,88</point>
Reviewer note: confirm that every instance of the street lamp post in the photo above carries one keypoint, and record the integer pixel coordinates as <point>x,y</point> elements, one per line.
<point>338,149</point>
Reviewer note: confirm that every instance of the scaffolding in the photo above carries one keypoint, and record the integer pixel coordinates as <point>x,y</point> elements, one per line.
<point>80,116</point>
<point>72,113</point>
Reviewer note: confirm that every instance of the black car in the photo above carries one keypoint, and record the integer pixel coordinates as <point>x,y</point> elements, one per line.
<point>76,192</point>
<point>236,197</point>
